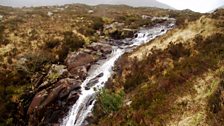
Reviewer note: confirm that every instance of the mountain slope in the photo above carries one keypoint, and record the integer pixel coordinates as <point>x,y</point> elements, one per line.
<point>177,79</point>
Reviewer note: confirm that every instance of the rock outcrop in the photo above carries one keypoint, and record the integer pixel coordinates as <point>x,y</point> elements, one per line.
<point>61,86</point>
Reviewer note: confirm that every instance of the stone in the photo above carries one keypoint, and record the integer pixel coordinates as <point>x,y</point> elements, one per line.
<point>72,98</point>
<point>37,100</point>
<point>76,59</point>
<point>80,71</point>
<point>69,85</point>
<point>49,13</point>
<point>93,81</point>
<point>53,95</point>
<point>87,88</point>
<point>102,47</point>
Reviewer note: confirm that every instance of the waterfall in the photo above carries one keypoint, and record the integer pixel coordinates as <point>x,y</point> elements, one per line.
<point>102,73</point>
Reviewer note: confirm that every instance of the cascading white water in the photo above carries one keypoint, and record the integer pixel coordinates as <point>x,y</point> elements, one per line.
<point>85,103</point>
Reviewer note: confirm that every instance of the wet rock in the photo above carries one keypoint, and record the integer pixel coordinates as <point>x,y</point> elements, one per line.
<point>149,35</point>
<point>100,75</point>
<point>87,88</point>
<point>72,98</point>
<point>93,81</point>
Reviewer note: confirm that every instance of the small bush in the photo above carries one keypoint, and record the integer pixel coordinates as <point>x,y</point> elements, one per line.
<point>52,44</point>
<point>87,31</point>
<point>110,101</point>
<point>215,104</point>
<point>178,51</point>
<point>98,24</point>
<point>36,61</point>
<point>72,41</point>
<point>3,40</point>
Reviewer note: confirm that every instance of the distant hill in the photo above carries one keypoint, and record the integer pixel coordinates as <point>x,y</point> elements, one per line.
<point>135,3</point>
<point>142,3</point>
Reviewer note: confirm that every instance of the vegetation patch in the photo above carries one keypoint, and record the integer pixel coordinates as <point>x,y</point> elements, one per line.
<point>156,81</point>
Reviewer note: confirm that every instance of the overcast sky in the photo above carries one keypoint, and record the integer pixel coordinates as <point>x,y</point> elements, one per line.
<point>195,5</point>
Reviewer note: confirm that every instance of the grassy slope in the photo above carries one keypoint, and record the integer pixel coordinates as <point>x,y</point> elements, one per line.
<point>31,40</point>
<point>178,82</point>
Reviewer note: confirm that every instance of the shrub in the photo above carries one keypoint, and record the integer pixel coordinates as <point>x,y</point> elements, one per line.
<point>3,40</point>
<point>178,51</point>
<point>72,41</point>
<point>215,104</point>
<point>36,61</point>
<point>52,44</point>
<point>88,31</point>
<point>110,101</point>
<point>97,24</point>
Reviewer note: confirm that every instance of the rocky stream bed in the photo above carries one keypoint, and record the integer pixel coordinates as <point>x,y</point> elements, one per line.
<point>67,94</point>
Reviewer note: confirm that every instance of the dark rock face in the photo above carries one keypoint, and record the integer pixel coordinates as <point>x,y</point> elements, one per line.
<point>60,88</point>
<point>52,99</point>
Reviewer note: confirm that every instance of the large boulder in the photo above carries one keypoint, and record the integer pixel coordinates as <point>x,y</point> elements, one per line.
<point>37,100</point>
<point>78,63</point>
<point>76,59</point>
<point>69,85</point>
<point>49,99</point>
<point>102,47</point>
<point>62,88</point>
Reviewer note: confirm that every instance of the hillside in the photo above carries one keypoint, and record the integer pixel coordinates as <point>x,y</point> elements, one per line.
<point>177,79</point>
<point>46,52</point>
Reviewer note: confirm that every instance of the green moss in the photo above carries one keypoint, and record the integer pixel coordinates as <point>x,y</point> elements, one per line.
<point>53,76</point>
